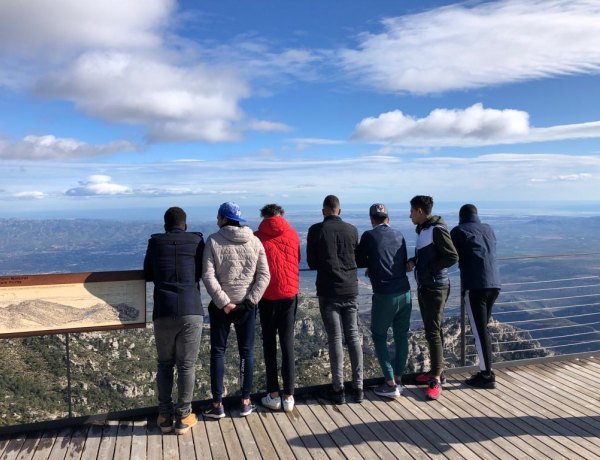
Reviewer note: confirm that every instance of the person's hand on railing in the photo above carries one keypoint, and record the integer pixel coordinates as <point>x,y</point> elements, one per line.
<point>410,265</point>
<point>367,273</point>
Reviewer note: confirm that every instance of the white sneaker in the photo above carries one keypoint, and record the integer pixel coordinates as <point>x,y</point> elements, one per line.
<point>288,405</point>
<point>271,403</point>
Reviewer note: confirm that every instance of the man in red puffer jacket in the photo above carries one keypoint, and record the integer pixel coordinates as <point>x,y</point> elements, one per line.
<point>279,303</point>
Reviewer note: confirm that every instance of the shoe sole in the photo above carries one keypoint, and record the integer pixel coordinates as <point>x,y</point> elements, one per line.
<point>482,387</point>
<point>246,414</point>
<point>271,407</point>
<point>387,395</point>
<point>214,416</point>
<point>288,410</point>
<point>180,431</point>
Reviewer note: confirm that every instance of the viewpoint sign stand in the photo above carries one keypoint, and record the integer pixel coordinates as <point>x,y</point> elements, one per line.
<point>33,305</point>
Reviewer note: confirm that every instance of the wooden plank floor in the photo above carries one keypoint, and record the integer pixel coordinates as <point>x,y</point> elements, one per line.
<point>549,411</point>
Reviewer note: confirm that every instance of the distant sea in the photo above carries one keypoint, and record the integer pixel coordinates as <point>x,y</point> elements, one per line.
<point>208,213</point>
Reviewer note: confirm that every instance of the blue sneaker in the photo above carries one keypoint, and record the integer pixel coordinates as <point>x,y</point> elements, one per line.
<point>247,409</point>
<point>214,412</point>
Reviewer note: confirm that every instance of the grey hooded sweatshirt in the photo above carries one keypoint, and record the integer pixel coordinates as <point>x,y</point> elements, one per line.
<point>234,266</point>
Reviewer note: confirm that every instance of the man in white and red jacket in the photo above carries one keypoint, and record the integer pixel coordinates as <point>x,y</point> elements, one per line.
<point>279,303</point>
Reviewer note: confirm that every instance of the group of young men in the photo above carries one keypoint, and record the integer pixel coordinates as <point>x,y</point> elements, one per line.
<point>246,272</point>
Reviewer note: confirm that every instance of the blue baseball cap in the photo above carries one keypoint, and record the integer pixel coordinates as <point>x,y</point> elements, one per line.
<point>231,211</point>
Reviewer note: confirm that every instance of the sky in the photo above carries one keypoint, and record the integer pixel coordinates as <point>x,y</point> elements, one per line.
<point>120,105</point>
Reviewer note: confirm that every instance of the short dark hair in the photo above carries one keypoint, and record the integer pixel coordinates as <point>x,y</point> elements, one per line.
<point>175,217</point>
<point>466,210</point>
<point>331,202</point>
<point>271,210</point>
<point>378,219</point>
<point>424,202</point>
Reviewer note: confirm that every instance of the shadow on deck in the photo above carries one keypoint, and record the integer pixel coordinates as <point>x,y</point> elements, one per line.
<point>549,410</point>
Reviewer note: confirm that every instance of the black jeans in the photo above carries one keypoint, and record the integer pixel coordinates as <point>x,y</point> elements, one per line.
<point>220,325</point>
<point>479,303</point>
<point>431,303</point>
<point>279,317</point>
<point>177,343</point>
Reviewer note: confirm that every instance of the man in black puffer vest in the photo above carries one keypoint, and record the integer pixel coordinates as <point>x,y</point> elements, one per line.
<point>434,254</point>
<point>174,263</point>
<point>480,285</point>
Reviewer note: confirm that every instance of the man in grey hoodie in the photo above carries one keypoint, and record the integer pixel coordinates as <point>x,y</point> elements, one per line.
<point>236,274</point>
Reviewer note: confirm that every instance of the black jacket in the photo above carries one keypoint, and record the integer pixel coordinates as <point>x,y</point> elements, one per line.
<point>331,249</point>
<point>174,263</point>
<point>434,253</point>
<point>476,246</point>
<point>383,251</point>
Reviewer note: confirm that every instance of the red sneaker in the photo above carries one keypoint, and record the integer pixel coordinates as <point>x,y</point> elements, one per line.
<point>434,390</point>
<point>424,379</point>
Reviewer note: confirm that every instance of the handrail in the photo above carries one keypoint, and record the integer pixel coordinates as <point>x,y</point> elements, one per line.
<point>463,322</point>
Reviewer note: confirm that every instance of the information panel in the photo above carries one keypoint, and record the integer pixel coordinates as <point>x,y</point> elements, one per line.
<point>72,302</point>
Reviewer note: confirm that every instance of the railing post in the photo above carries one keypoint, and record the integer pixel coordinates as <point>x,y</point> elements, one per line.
<point>463,326</point>
<point>70,400</point>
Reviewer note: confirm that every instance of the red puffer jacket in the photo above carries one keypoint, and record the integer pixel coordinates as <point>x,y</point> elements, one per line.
<point>282,246</point>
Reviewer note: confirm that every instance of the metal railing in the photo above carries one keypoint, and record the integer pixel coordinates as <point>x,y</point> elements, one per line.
<point>547,314</point>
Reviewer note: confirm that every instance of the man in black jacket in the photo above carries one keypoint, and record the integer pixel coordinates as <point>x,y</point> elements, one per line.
<point>434,253</point>
<point>330,250</point>
<point>174,263</point>
<point>480,285</point>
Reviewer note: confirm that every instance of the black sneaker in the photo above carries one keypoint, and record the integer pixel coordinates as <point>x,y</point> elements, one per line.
<point>481,381</point>
<point>359,395</point>
<point>214,412</point>
<point>247,409</point>
<point>336,397</point>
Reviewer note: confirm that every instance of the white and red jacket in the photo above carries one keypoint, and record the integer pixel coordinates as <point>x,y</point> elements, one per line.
<point>282,246</point>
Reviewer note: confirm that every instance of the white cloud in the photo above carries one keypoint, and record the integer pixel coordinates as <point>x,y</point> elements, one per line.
<point>29,27</point>
<point>28,195</point>
<point>474,126</point>
<point>98,185</point>
<point>316,141</point>
<point>574,177</point>
<point>463,46</point>
<point>269,126</point>
<point>175,103</point>
<point>50,147</point>
<point>390,150</point>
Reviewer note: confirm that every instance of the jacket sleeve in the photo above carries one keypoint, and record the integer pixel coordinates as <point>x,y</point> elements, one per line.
<point>199,256</point>
<point>458,239</point>
<point>312,252</point>
<point>148,274</point>
<point>362,251</point>
<point>443,243</point>
<point>261,278</point>
<point>213,287</point>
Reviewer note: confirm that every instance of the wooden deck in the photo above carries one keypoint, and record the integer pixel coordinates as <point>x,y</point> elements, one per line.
<point>549,410</point>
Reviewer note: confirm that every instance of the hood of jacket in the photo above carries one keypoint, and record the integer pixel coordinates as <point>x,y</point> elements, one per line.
<point>433,220</point>
<point>470,218</point>
<point>274,226</point>
<point>239,235</point>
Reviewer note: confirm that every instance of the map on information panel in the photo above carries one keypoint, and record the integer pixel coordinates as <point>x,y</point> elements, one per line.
<point>73,302</point>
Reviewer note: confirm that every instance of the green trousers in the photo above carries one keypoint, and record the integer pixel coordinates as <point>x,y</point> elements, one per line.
<point>391,310</point>
<point>431,304</point>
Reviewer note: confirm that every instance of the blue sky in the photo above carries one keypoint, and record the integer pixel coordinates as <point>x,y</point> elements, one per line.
<point>152,103</point>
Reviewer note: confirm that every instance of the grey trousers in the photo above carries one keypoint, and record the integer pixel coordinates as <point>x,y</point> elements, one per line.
<point>340,316</point>
<point>177,344</point>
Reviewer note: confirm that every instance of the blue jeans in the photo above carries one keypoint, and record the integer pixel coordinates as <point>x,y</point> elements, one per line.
<point>340,316</point>
<point>177,343</point>
<point>220,325</point>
